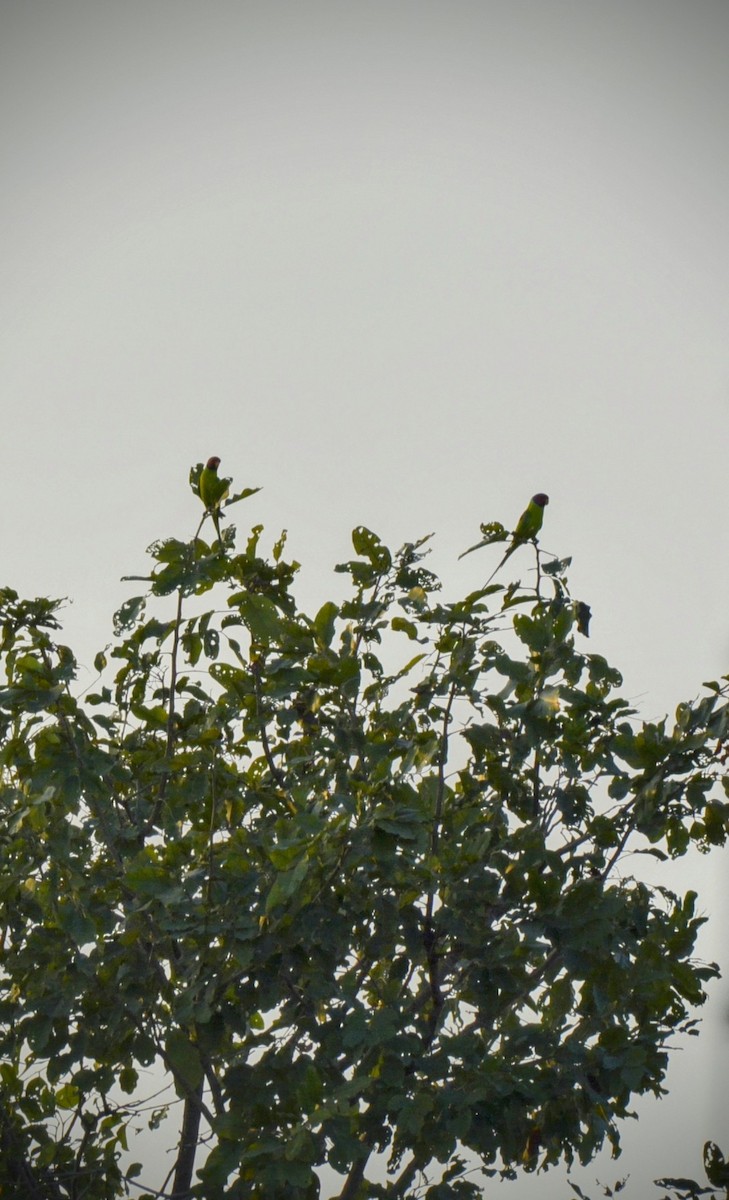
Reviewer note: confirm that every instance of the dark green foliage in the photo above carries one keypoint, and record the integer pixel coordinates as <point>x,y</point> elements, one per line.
<point>350,881</point>
<point>717,1173</point>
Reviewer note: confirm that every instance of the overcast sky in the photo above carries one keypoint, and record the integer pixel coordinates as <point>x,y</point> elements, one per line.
<point>401,264</point>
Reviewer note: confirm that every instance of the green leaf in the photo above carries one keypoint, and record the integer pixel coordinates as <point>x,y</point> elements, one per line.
<point>252,544</point>
<point>76,923</point>
<point>128,1079</point>
<point>324,622</point>
<point>128,615</point>
<point>692,1189</point>
<point>715,1165</point>
<point>368,545</point>
<point>238,680</point>
<point>238,496</point>
<point>286,884</point>
<point>146,877</point>
<point>211,640</point>
<point>68,1096</point>
<point>184,1059</point>
<point>279,546</point>
<point>193,645</point>
<point>156,717</point>
<point>400,624</point>
<point>260,614</point>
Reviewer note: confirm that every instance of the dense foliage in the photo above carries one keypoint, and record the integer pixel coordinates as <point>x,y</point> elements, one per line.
<point>350,885</point>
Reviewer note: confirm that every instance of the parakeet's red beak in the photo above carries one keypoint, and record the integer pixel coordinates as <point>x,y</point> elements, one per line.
<point>212,464</point>
<point>539,499</point>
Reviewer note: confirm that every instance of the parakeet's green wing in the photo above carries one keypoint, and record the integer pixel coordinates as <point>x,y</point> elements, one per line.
<point>213,490</point>
<point>206,485</point>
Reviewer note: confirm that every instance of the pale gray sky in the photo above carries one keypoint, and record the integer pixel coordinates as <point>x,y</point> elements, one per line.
<point>402,264</point>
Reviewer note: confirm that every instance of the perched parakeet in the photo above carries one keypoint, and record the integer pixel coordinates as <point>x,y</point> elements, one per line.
<point>213,491</point>
<point>530,521</point>
<point>527,528</point>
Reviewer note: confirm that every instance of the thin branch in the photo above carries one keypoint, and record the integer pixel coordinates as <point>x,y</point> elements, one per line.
<point>193,1096</point>
<point>276,774</point>
<point>618,852</point>
<point>216,1090</point>
<point>533,978</point>
<point>211,848</point>
<point>539,569</point>
<point>170,741</point>
<point>536,781</point>
<point>442,761</point>
<point>430,934</point>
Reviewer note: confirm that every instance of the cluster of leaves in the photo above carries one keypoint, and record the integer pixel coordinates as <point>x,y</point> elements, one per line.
<point>364,908</point>
<point>717,1174</point>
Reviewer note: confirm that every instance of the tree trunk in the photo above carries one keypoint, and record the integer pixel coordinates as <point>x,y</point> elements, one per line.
<point>188,1145</point>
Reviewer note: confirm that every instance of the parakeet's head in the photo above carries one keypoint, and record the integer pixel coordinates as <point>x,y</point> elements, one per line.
<point>541,499</point>
<point>213,463</point>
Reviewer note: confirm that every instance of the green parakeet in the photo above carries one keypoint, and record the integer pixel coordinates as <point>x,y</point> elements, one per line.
<point>527,528</point>
<point>213,491</point>
<point>530,521</point>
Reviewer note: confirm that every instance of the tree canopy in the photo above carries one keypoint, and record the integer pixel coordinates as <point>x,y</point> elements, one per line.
<point>343,890</point>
